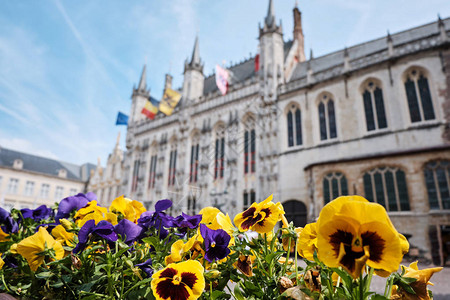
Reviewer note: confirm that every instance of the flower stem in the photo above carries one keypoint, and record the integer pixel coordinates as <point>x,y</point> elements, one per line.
<point>388,289</point>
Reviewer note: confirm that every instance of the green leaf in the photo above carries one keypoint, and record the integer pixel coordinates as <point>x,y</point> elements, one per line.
<point>44,275</point>
<point>238,293</point>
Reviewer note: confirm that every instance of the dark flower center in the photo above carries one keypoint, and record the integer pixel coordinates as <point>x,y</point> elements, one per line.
<point>175,286</point>
<point>372,239</point>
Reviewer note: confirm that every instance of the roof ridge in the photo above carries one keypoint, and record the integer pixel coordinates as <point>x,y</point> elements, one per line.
<point>378,39</point>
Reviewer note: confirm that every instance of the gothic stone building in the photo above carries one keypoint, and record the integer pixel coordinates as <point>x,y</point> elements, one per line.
<point>372,119</point>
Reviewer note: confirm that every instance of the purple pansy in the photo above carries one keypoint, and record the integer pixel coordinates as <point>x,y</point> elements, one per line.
<point>186,221</point>
<point>67,205</point>
<point>128,230</point>
<point>146,267</point>
<point>216,243</point>
<point>158,218</point>
<point>38,214</point>
<point>103,229</point>
<point>9,224</point>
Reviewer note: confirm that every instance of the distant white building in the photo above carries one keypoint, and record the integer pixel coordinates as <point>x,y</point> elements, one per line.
<point>106,182</point>
<point>372,119</point>
<point>28,181</point>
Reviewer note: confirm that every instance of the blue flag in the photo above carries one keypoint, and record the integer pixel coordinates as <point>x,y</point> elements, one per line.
<point>122,119</point>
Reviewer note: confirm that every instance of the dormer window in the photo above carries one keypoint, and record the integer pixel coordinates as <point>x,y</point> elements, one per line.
<point>62,173</point>
<point>18,164</point>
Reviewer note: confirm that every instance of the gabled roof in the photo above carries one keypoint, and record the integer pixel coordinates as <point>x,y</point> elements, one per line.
<point>44,165</point>
<point>358,54</point>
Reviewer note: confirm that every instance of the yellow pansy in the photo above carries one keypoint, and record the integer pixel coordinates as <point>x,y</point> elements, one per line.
<point>130,209</point>
<point>176,252</point>
<point>62,236</point>
<point>352,231</point>
<point>3,236</point>
<point>307,241</point>
<point>2,262</point>
<point>181,281</point>
<point>31,247</point>
<point>260,217</point>
<point>245,264</point>
<point>419,286</point>
<point>208,214</point>
<point>90,212</point>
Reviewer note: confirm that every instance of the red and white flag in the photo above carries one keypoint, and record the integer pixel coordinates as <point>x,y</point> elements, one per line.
<point>222,76</point>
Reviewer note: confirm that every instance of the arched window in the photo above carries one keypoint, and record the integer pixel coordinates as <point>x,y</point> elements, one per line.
<point>219,157</point>
<point>327,118</point>
<point>294,126</point>
<point>172,166</point>
<point>295,212</point>
<point>193,170</point>
<point>437,179</point>
<point>387,186</point>
<point>374,106</point>
<point>249,146</point>
<point>419,96</point>
<point>334,185</point>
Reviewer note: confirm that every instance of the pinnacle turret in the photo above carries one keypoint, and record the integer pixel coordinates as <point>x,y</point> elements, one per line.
<point>195,63</point>
<point>143,82</point>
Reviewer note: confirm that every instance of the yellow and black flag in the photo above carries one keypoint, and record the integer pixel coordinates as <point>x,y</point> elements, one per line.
<point>169,101</point>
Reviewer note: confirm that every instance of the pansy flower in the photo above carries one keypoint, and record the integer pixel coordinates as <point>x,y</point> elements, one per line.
<point>260,217</point>
<point>186,221</point>
<point>32,248</point>
<point>9,224</point>
<point>181,281</point>
<point>216,243</point>
<point>63,236</point>
<point>352,231</point>
<point>94,212</point>
<point>419,286</point>
<point>128,230</point>
<point>307,241</point>
<point>158,218</point>
<point>146,266</point>
<point>103,229</point>
<point>3,236</point>
<point>67,205</point>
<point>38,214</point>
<point>130,209</point>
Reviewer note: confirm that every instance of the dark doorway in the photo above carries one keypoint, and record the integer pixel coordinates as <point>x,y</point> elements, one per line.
<point>295,211</point>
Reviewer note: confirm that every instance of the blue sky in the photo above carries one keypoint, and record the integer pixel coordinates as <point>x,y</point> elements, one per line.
<point>68,67</point>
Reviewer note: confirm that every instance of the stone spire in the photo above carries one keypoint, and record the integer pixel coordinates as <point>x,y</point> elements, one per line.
<point>298,35</point>
<point>195,53</point>
<point>143,82</point>
<point>195,63</point>
<point>270,18</point>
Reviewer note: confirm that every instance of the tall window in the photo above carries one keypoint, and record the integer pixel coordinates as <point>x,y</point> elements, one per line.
<point>419,96</point>
<point>172,166</point>
<point>13,185</point>
<point>374,107</point>
<point>191,205</point>
<point>294,125</point>
<point>72,192</point>
<point>327,118</point>
<point>134,181</point>
<point>249,151</point>
<point>59,192</point>
<point>152,175</point>
<point>29,188</point>
<point>193,170</point>
<point>45,189</point>
<point>219,161</point>
<point>249,198</point>
<point>387,186</point>
<point>334,185</point>
<point>437,179</point>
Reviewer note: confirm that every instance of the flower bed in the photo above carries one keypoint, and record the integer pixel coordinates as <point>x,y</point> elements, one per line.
<point>80,250</point>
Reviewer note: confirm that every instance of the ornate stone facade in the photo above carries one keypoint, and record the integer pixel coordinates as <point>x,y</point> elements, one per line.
<point>371,119</point>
